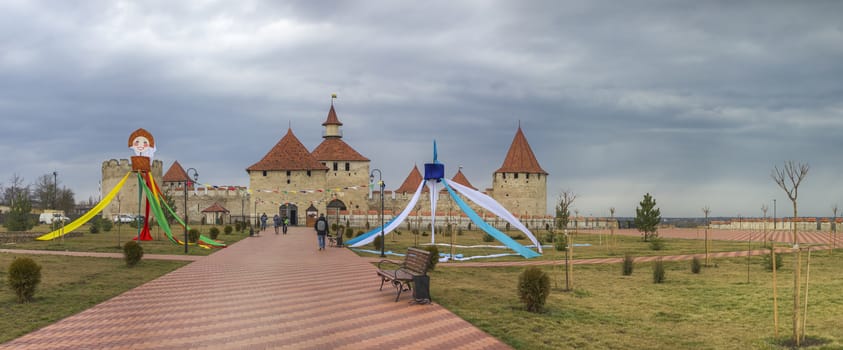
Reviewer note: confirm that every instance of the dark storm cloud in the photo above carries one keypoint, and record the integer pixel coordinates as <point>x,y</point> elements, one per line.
<point>693,102</point>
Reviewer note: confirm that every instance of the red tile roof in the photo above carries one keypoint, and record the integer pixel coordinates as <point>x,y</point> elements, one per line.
<point>332,117</point>
<point>288,154</point>
<point>216,208</point>
<point>520,158</point>
<point>336,149</point>
<point>175,174</point>
<point>462,180</point>
<point>411,183</point>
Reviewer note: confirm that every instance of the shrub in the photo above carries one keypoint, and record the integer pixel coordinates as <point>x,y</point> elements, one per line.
<point>106,225</point>
<point>656,243</point>
<point>533,288</point>
<point>628,262</point>
<point>518,237</point>
<point>425,234</point>
<point>193,235</point>
<point>767,262</point>
<point>434,256</point>
<point>488,238</point>
<point>359,233</point>
<point>214,232</point>
<point>228,229</point>
<point>459,231</point>
<point>348,232</point>
<point>377,242</point>
<point>548,237</point>
<point>24,277</point>
<point>658,271</point>
<point>132,253</point>
<point>696,265</point>
<point>334,227</point>
<point>561,243</point>
<point>94,228</point>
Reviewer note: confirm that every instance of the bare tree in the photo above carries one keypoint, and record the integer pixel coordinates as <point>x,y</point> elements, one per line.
<point>706,210</point>
<point>832,231</point>
<point>612,228</point>
<point>789,178</point>
<point>764,209</point>
<point>15,187</point>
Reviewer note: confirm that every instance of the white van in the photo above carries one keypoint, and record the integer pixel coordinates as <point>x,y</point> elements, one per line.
<point>48,218</point>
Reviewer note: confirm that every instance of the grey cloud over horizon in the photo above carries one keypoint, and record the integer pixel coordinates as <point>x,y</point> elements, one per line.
<point>692,102</point>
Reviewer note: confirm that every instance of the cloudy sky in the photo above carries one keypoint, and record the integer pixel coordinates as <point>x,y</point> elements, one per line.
<point>693,102</point>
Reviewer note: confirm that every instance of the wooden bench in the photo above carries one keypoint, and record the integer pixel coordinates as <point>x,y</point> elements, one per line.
<point>400,274</point>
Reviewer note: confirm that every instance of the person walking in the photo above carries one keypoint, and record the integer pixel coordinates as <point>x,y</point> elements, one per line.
<point>263,221</point>
<point>276,221</point>
<point>321,227</point>
<point>284,223</point>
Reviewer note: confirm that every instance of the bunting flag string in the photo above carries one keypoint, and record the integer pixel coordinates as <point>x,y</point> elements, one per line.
<point>206,187</point>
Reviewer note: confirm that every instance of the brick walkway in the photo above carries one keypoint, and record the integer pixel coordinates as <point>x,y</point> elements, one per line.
<point>266,292</point>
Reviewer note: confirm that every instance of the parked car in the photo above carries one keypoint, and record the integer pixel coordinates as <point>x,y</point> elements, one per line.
<point>125,218</point>
<point>49,218</point>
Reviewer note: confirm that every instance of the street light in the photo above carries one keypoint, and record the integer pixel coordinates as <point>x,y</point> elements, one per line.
<point>55,187</point>
<point>244,197</point>
<point>186,181</point>
<point>382,185</point>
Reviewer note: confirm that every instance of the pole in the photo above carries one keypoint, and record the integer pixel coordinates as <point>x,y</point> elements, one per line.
<point>383,239</point>
<point>382,185</point>
<point>774,216</point>
<point>186,181</point>
<point>55,187</point>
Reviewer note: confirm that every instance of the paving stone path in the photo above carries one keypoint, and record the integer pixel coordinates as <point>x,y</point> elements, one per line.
<point>266,292</point>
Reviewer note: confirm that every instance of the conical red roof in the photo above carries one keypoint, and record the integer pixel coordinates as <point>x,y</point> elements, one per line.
<point>332,117</point>
<point>336,149</point>
<point>462,180</point>
<point>411,183</point>
<point>288,154</point>
<point>520,158</point>
<point>175,174</point>
<point>216,208</point>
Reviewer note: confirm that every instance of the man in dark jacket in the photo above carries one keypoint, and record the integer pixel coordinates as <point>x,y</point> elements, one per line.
<point>321,227</point>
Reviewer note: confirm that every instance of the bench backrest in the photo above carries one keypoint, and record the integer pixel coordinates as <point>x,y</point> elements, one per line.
<point>417,261</point>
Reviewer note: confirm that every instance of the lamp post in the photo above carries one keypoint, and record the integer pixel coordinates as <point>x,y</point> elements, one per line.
<point>774,215</point>
<point>382,185</point>
<point>186,182</point>
<point>55,187</point>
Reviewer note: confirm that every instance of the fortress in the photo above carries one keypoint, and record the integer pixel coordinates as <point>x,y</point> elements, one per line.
<point>335,179</point>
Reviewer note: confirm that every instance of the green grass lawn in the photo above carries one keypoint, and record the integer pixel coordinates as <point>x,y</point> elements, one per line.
<point>70,285</point>
<point>716,309</point>
<point>598,246</point>
<point>112,241</point>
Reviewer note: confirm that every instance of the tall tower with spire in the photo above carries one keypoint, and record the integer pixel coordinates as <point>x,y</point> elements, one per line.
<point>520,184</point>
<point>346,167</point>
